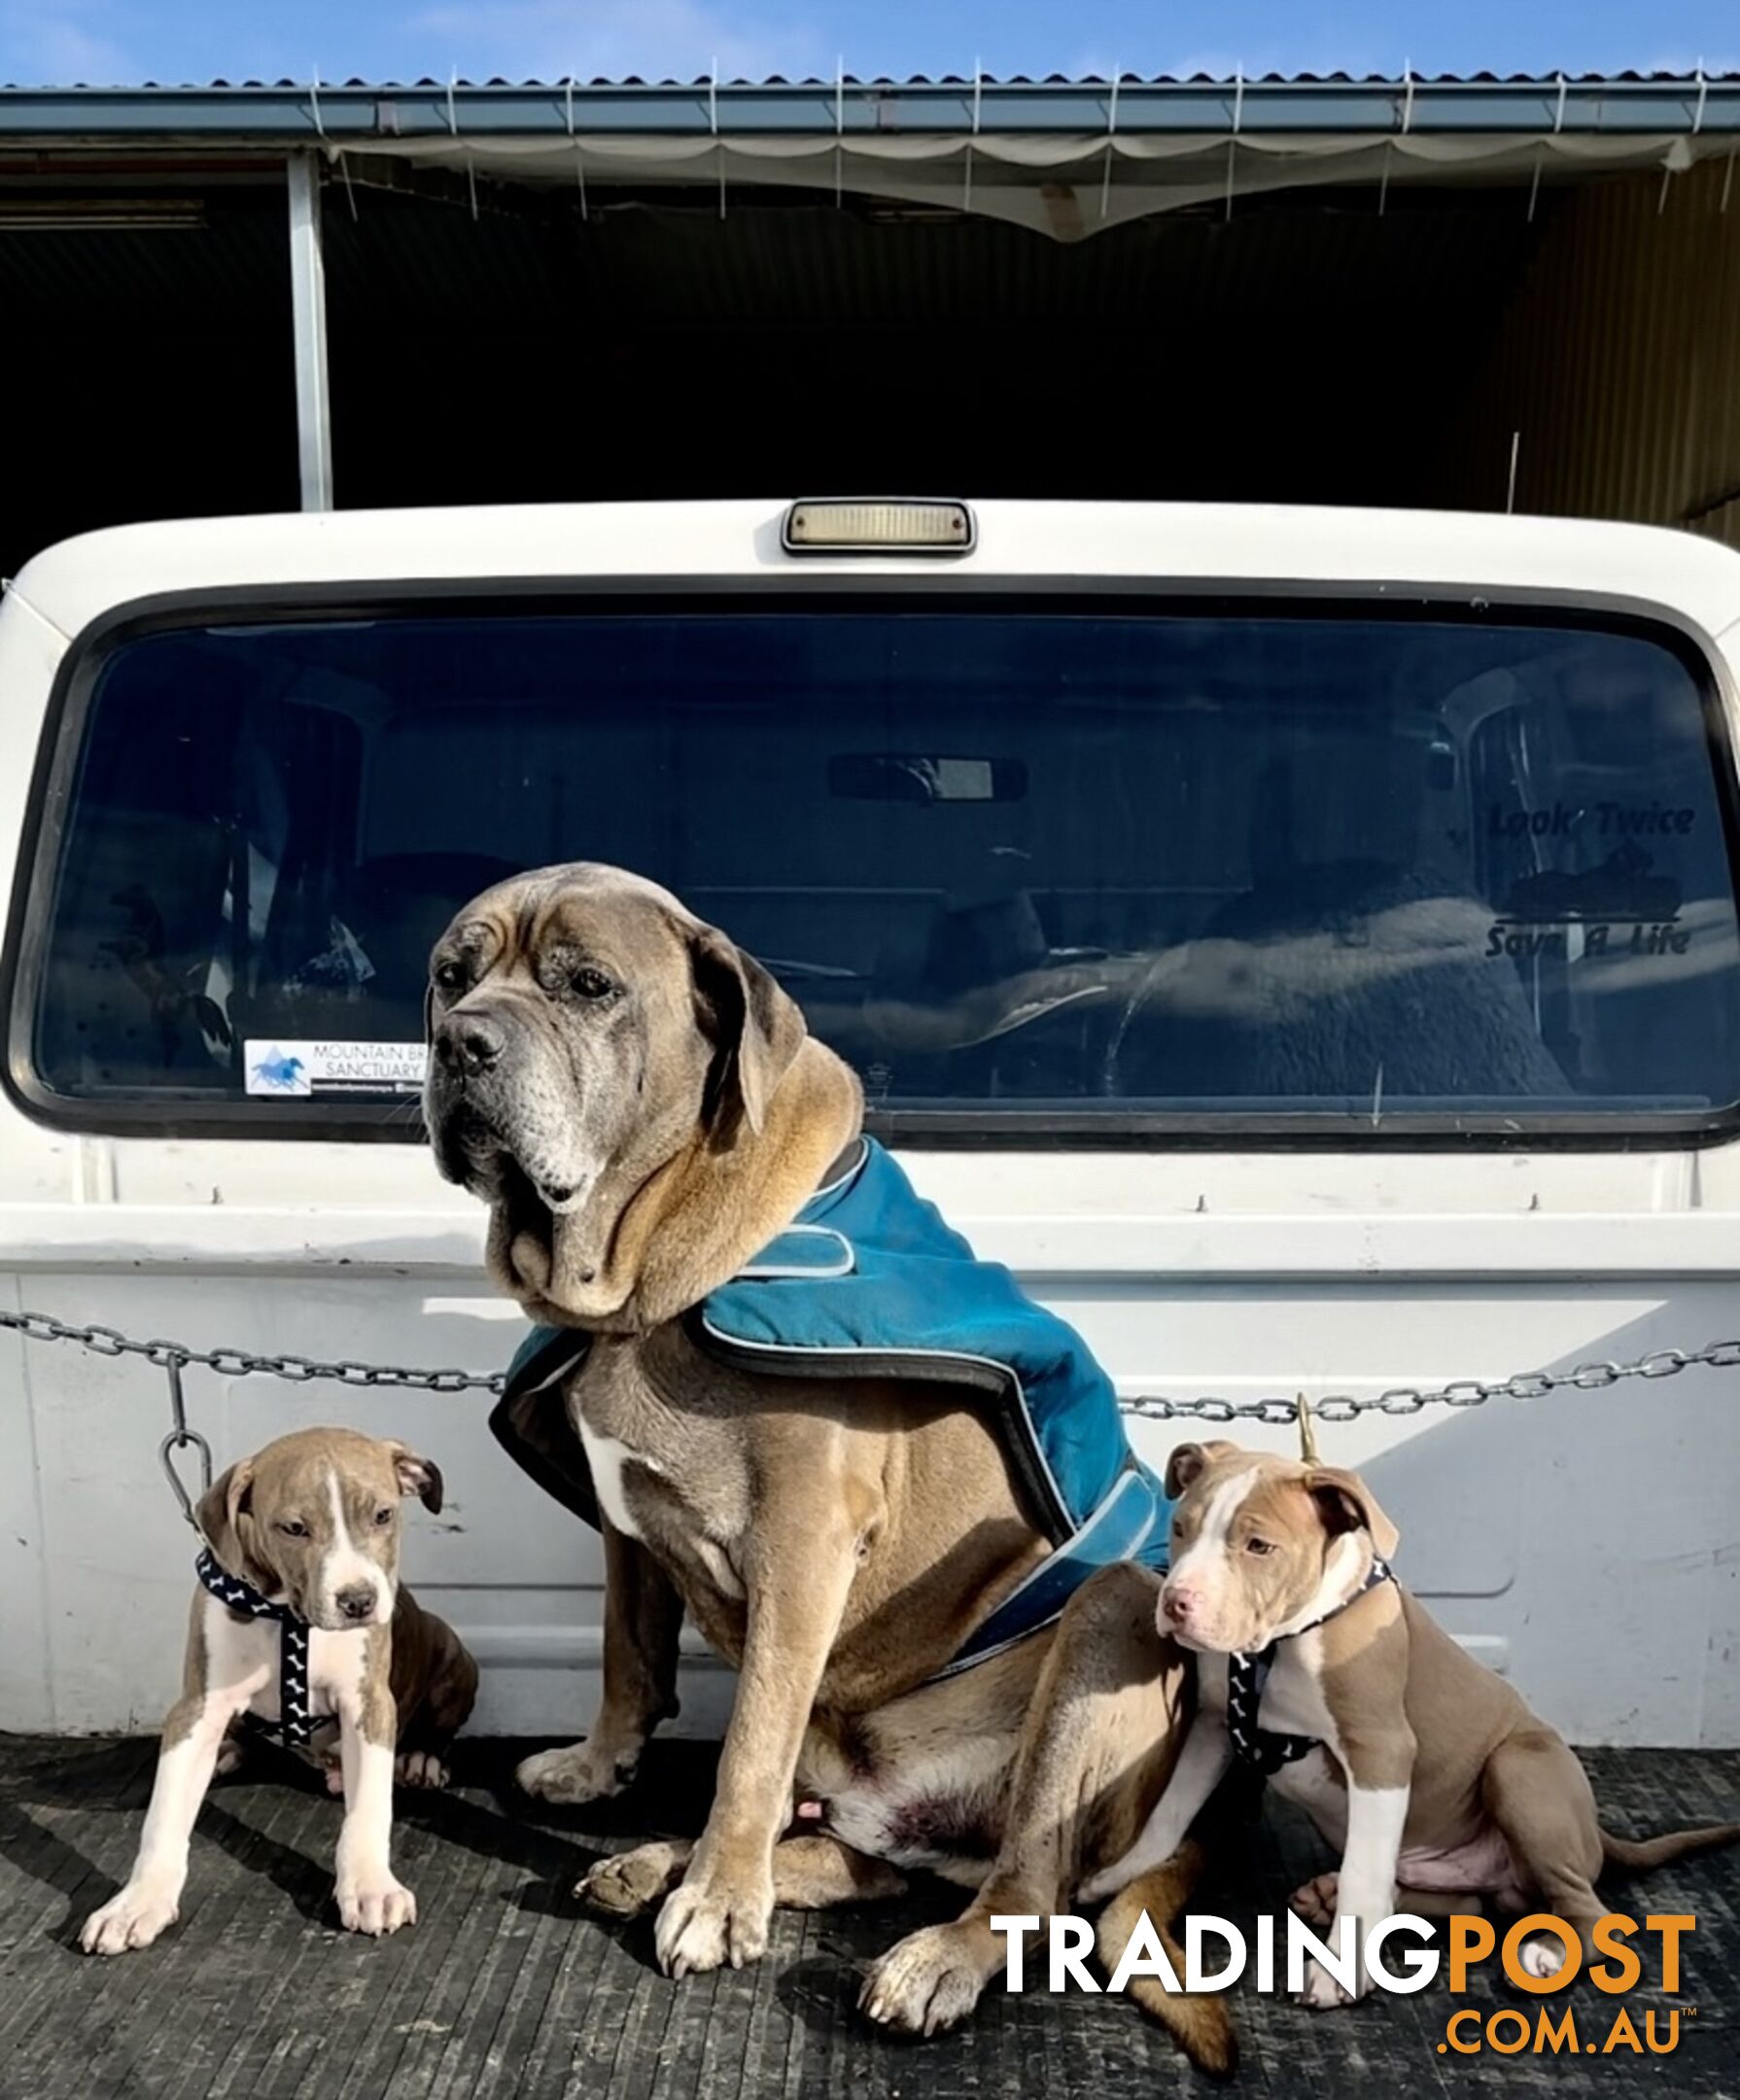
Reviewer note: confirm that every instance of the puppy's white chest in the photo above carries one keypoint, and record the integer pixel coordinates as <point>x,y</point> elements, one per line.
<point>337,1666</point>
<point>1293,1701</point>
<point>607,1456</point>
<point>245,1658</point>
<point>1293,1704</point>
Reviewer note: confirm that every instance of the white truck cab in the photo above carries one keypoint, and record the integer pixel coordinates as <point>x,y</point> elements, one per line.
<point>1301,944</point>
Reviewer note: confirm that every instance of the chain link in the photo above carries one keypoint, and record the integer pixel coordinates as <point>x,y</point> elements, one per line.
<point>1457,1393</point>
<point>174,1358</point>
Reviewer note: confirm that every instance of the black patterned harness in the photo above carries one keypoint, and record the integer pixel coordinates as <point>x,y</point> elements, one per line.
<point>1265,1750</point>
<point>295,1717</point>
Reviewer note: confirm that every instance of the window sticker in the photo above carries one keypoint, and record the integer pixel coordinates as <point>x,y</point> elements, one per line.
<point>298,1071</point>
<point>1620,906</point>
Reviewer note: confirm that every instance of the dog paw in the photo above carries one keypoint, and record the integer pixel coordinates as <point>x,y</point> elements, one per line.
<point>630,1883</point>
<point>1106,1882</point>
<point>132,1919</point>
<point>1543,1956</point>
<point>705,1925</point>
<point>420,1768</point>
<point>230,1758</point>
<point>926,1981</point>
<point>1321,1992</point>
<point>1315,1901</point>
<point>582,1772</point>
<point>374,1904</point>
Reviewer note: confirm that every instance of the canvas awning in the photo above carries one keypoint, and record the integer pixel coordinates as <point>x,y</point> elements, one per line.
<point>1065,185</point>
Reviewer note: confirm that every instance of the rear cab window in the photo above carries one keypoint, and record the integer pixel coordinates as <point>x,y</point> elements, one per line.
<point>1102,870</point>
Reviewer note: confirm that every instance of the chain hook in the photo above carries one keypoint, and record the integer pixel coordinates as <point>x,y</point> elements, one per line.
<point>1308,1439</point>
<point>182,1438</point>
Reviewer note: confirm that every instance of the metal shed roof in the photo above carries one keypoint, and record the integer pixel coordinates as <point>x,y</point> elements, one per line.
<point>1062,156</point>
<point>1611,104</point>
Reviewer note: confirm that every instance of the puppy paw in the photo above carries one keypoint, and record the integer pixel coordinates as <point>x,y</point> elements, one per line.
<point>1315,1901</point>
<point>1321,1992</point>
<point>1542,1955</point>
<point>230,1760</point>
<point>707,1924</point>
<point>929,1980</point>
<point>132,1919</point>
<point>420,1768</point>
<point>1106,1882</point>
<point>630,1883</point>
<point>583,1773</point>
<point>374,1904</point>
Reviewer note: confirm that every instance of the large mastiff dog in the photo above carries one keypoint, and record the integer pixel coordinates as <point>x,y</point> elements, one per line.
<point>641,1106</point>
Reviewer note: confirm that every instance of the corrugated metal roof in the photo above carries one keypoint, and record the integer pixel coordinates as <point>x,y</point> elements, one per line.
<point>1391,80</point>
<point>1335,102</point>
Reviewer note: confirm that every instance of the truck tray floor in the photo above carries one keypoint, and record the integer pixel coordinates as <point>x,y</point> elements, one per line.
<point>506,1988</point>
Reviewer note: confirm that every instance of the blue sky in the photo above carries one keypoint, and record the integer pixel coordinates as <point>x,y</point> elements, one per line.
<point>105,41</point>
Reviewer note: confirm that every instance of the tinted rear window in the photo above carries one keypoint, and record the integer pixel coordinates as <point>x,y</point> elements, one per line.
<point>1043,864</point>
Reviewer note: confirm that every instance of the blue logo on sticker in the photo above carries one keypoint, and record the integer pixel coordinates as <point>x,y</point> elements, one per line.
<point>278,1074</point>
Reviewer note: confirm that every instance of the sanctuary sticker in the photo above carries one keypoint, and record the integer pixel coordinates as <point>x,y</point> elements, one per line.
<point>298,1070</point>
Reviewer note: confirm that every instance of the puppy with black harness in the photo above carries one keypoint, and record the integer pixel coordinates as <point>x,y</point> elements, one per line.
<point>1316,1666</point>
<point>302,1627</point>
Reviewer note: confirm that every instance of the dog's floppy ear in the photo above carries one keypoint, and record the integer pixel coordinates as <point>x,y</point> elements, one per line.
<point>1347,1504</point>
<point>222,1509</point>
<point>1191,1459</point>
<point>417,1475</point>
<point>758,1028</point>
<point>1182,1468</point>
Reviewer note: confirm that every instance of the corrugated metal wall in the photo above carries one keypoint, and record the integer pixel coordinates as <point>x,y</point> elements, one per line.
<point>1341,347</point>
<point>1618,361</point>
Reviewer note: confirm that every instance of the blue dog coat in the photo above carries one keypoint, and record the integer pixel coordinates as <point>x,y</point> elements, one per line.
<point>869,1282</point>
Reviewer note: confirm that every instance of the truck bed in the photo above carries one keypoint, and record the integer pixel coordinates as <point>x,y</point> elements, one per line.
<point>504,1987</point>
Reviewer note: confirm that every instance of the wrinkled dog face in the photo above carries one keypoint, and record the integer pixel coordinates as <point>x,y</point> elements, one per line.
<point>1260,1543</point>
<point>582,1026</point>
<point>314,1520</point>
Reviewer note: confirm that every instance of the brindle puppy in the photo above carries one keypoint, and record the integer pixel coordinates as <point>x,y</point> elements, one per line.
<point>312,1522</point>
<point>641,1106</point>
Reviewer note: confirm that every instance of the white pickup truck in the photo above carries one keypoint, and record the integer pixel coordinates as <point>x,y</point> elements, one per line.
<point>1301,944</point>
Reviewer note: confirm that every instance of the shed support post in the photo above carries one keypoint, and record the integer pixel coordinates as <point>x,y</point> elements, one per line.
<point>308,326</point>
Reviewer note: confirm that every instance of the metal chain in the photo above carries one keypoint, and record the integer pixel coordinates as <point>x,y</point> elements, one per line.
<point>174,1358</point>
<point>1458,1393</point>
<point>246,1363</point>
